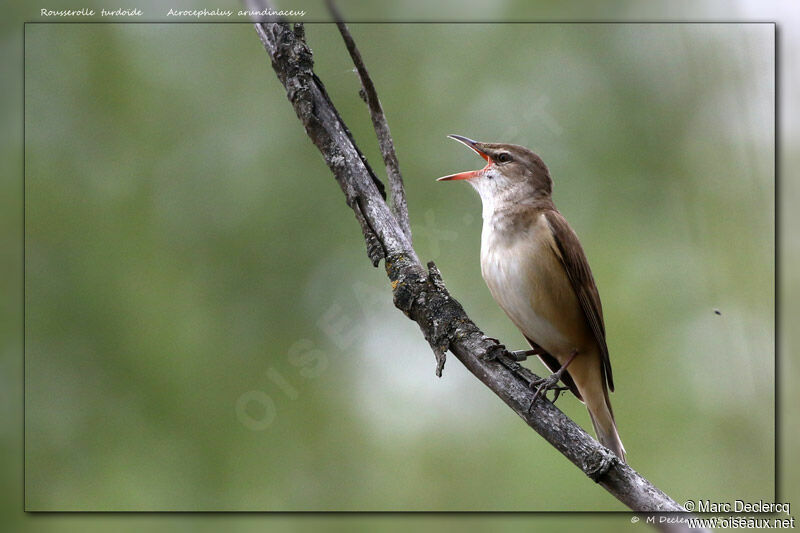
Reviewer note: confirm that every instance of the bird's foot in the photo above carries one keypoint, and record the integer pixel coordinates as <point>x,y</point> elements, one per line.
<point>550,383</point>
<point>557,392</point>
<point>545,384</point>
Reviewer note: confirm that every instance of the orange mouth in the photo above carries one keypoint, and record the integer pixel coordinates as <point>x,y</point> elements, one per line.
<point>469,143</point>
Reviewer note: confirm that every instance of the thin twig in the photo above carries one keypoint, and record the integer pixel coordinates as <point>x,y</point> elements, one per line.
<point>421,294</point>
<point>379,123</point>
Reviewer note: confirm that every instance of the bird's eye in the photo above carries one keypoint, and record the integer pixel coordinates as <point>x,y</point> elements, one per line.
<point>504,157</point>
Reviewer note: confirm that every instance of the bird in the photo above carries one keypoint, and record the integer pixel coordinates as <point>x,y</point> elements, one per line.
<point>538,273</point>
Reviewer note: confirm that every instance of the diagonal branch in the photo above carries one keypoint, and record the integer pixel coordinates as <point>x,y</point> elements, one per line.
<point>380,125</point>
<point>421,294</point>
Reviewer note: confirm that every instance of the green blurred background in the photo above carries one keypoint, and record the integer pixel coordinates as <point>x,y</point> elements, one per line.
<point>204,331</point>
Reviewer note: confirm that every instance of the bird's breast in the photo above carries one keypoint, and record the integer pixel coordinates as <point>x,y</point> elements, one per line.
<point>526,278</point>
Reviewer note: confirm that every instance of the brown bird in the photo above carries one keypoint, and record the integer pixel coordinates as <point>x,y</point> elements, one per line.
<point>537,272</point>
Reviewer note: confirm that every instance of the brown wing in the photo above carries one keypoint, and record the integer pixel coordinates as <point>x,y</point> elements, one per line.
<point>582,281</point>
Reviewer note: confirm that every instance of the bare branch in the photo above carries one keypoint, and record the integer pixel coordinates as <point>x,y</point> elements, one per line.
<point>379,123</point>
<point>292,61</point>
<point>421,294</point>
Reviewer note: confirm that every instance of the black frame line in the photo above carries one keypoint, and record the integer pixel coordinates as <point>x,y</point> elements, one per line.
<point>776,257</point>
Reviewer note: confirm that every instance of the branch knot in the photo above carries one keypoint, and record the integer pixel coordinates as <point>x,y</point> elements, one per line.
<point>598,463</point>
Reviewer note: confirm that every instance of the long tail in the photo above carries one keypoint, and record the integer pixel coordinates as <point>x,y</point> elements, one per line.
<point>605,427</point>
<point>585,376</point>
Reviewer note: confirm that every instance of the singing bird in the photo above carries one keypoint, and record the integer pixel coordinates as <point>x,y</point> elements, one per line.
<point>537,272</point>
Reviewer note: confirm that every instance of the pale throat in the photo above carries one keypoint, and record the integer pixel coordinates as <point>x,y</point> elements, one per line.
<point>501,204</point>
<point>493,198</point>
<point>497,213</point>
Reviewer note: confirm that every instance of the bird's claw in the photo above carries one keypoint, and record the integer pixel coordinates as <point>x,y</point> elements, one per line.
<point>557,392</point>
<point>546,384</point>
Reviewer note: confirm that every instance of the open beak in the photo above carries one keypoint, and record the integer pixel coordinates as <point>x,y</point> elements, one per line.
<point>469,143</point>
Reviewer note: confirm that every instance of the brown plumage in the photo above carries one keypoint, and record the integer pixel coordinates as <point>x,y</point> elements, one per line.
<point>536,270</point>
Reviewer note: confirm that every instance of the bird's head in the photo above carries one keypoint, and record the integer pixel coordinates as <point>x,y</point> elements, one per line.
<point>512,173</point>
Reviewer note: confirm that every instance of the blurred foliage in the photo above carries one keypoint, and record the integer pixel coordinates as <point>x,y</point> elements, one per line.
<point>186,246</point>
